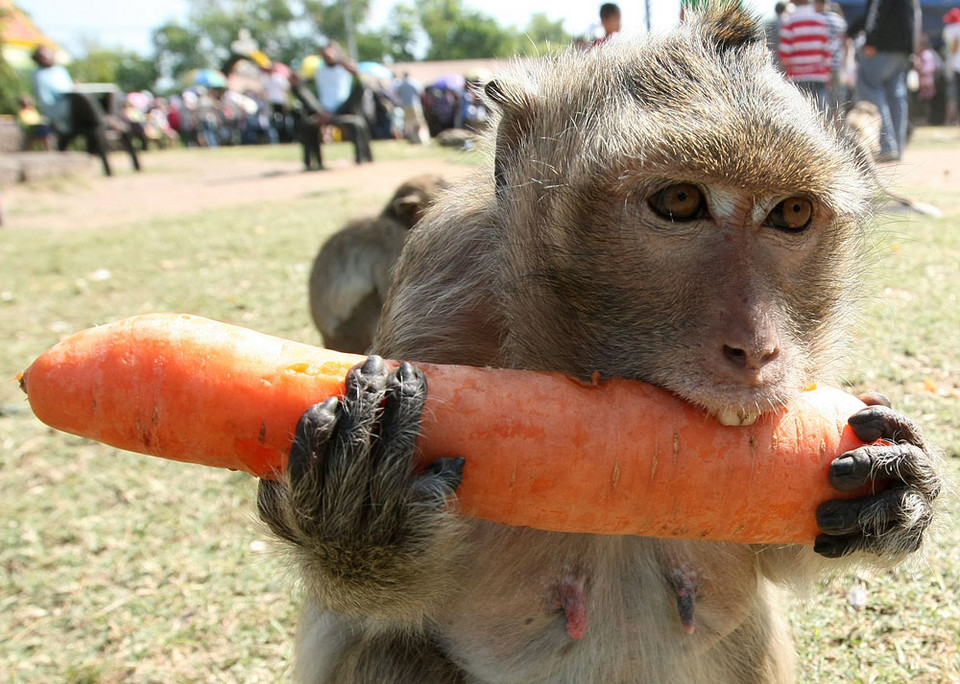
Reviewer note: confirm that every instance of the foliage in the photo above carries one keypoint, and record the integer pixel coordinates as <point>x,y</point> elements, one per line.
<point>457,32</point>
<point>282,30</point>
<point>127,69</point>
<point>10,87</point>
<point>545,35</point>
<point>178,49</point>
<point>442,29</point>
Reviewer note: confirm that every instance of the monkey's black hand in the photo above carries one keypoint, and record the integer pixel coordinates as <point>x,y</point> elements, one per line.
<point>893,520</point>
<point>351,499</point>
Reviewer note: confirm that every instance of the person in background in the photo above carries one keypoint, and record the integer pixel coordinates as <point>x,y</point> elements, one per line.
<point>414,125</point>
<point>837,99</point>
<point>890,28</point>
<point>159,128</point>
<point>341,94</point>
<point>771,31</point>
<point>610,20</point>
<point>276,86</point>
<point>33,126</point>
<point>308,124</point>
<point>51,83</point>
<point>951,49</point>
<point>805,50</point>
<point>926,64</point>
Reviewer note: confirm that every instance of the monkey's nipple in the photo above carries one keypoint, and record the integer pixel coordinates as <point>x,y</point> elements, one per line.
<point>686,583</point>
<point>573,600</point>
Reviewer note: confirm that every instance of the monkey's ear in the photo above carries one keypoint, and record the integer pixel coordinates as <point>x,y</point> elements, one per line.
<point>409,207</point>
<point>728,25</point>
<point>516,104</point>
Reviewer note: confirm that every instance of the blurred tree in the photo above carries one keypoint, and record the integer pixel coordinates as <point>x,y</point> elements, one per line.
<point>544,35</point>
<point>285,31</point>
<point>127,69</point>
<point>404,33</point>
<point>178,49</point>
<point>10,87</point>
<point>456,32</point>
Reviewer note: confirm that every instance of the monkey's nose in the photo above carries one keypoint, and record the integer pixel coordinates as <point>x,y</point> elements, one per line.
<point>751,357</point>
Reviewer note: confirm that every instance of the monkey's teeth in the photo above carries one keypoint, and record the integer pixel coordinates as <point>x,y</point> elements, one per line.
<point>735,417</point>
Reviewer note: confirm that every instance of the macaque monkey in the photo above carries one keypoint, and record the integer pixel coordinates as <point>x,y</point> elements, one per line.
<point>351,273</point>
<point>669,210</point>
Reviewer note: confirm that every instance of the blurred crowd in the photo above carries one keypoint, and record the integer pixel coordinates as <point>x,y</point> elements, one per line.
<point>885,58</point>
<point>273,103</point>
<point>882,57</point>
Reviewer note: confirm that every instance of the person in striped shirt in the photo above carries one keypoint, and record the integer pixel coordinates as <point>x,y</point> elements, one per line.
<point>805,50</point>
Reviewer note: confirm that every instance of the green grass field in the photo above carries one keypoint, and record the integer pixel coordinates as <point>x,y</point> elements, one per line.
<point>124,568</point>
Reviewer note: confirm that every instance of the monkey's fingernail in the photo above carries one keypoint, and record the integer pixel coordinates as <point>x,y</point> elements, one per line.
<point>874,399</point>
<point>845,466</point>
<point>373,365</point>
<point>407,372</point>
<point>832,547</point>
<point>829,517</point>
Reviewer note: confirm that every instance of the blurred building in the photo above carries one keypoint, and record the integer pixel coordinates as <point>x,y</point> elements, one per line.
<point>19,36</point>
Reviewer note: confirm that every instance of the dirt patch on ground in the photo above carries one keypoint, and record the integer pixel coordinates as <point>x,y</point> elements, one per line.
<point>177,182</point>
<point>183,181</point>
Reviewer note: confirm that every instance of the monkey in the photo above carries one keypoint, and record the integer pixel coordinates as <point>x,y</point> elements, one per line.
<point>670,211</point>
<point>351,272</point>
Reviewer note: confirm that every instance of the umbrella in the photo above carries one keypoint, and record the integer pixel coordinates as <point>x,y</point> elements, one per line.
<point>449,82</point>
<point>260,59</point>
<point>376,70</point>
<point>309,65</point>
<point>208,78</point>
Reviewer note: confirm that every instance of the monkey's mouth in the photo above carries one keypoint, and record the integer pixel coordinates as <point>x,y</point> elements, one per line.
<point>737,417</point>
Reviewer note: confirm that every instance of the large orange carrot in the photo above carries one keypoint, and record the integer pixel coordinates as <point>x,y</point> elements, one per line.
<point>540,448</point>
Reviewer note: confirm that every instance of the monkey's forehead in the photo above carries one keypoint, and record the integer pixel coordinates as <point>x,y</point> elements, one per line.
<point>676,107</point>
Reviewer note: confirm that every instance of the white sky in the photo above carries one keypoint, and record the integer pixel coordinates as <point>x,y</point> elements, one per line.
<point>122,23</point>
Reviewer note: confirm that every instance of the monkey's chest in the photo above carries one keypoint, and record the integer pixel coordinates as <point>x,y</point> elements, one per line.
<point>555,607</point>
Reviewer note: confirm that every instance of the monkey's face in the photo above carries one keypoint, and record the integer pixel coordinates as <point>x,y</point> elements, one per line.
<point>678,214</point>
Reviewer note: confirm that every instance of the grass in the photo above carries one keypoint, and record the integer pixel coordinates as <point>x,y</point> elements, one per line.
<point>124,568</point>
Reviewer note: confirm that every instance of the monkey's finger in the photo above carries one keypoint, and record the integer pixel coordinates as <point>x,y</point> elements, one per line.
<point>314,430</point>
<point>308,462</point>
<point>898,462</point>
<point>405,396</point>
<point>872,515</point>
<point>882,422</point>
<point>360,411</point>
<point>874,399</point>
<point>895,540</point>
<point>441,479</point>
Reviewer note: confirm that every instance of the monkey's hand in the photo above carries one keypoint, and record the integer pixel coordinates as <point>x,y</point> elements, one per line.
<point>372,536</point>
<point>892,521</point>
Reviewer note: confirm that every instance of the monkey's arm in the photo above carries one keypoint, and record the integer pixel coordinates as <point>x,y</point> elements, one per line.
<point>371,537</point>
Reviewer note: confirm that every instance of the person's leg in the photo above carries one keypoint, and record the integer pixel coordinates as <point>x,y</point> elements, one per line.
<point>97,145</point>
<point>896,94</point>
<point>871,73</point>
<point>363,136</point>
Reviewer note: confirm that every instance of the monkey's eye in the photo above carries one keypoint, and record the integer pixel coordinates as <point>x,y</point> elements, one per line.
<point>680,202</point>
<point>791,215</point>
